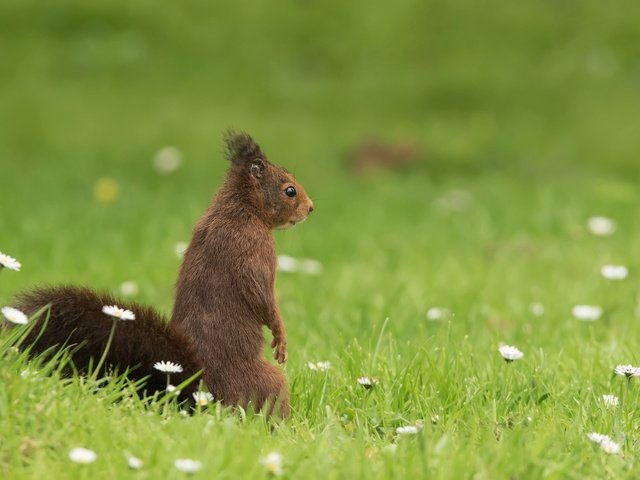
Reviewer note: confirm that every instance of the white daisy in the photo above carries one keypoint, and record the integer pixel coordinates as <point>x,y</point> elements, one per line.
<point>610,400</point>
<point>605,442</point>
<point>367,382</point>
<point>536,309</point>
<point>614,272</point>
<point>319,366</point>
<point>82,455</point>
<point>202,398</point>
<point>14,315</point>
<point>627,370</point>
<point>601,226</point>
<point>9,262</point>
<point>407,430</point>
<point>117,312</point>
<point>587,312</point>
<point>168,367</point>
<point>129,288</point>
<point>287,263</point>
<point>173,389</point>
<point>167,160</point>
<point>437,313</point>
<point>598,437</point>
<point>134,462</point>
<point>610,447</point>
<point>272,462</point>
<point>510,353</point>
<point>187,465</point>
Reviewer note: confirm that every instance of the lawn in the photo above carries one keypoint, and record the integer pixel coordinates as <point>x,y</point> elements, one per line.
<point>527,117</point>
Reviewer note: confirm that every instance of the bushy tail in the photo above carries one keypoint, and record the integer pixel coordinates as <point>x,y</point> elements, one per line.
<point>76,320</point>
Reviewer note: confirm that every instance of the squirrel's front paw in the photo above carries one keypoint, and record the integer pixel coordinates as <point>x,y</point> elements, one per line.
<point>280,351</point>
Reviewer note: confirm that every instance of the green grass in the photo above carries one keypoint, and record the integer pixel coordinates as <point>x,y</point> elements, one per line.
<point>529,110</point>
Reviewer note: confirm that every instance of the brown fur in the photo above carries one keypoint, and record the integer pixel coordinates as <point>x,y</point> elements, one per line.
<point>225,289</point>
<point>77,321</point>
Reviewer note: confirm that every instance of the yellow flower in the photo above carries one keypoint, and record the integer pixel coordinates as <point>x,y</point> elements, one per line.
<point>105,190</point>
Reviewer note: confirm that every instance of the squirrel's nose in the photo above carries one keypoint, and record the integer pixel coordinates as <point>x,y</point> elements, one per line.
<point>311,208</point>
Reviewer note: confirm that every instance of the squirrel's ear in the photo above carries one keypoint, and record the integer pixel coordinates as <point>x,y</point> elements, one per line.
<point>257,167</point>
<point>243,151</point>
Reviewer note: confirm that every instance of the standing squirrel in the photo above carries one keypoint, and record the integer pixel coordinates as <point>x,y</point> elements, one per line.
<point>225,289</point>
<point>224,294</point>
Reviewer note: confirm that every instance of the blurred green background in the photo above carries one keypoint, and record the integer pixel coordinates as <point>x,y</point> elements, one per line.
<point>492,83</point>
<point>523,117</point>
<point>533,92</point>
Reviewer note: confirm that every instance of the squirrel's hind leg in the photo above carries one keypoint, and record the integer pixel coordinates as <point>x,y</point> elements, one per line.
<point>260,386</point>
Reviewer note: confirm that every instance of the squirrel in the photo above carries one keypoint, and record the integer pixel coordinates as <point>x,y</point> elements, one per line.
<point>224,294</point>
<point>225,288</point>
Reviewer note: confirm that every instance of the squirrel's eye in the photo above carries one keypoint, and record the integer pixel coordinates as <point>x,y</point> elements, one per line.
<point>290,192</point>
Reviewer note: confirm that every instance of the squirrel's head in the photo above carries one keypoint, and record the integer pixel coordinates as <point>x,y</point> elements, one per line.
<point>281,200</point>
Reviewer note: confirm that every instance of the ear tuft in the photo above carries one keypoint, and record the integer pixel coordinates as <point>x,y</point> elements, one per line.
<point>241,149</point>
